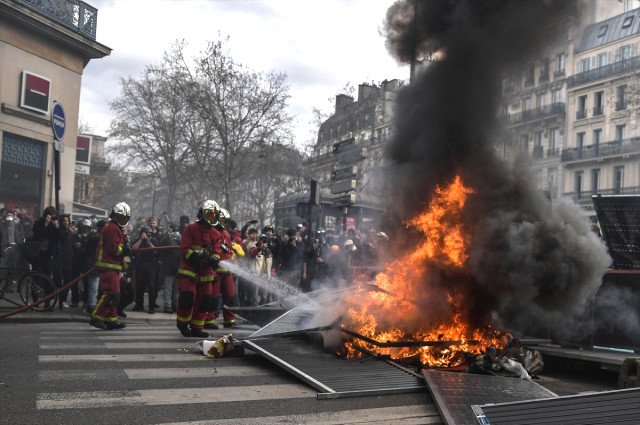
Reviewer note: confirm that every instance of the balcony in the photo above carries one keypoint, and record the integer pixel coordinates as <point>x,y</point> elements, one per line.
<point>544,77</point>
<point>583,198</point>
<point>598,110</point>
<point>538,152</point>
<point>617,147</point>
<point>74,14</point>
<point>582,114</point>
<point>604,71</point>
<point>621,105</point>
<point>557,108</point>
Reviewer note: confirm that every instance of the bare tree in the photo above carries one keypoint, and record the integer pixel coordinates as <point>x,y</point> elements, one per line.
<point>153,122</point>
<point>242,111</point>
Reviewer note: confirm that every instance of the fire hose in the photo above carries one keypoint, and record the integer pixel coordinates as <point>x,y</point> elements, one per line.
<point>76,280</point>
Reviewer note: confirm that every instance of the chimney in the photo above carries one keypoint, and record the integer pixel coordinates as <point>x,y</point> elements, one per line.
<point>365,91</point>
<point>342,101</point>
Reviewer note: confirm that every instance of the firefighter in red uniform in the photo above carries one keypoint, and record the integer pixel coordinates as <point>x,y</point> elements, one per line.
<point>196,278</point>
<point>226,282</point>
<point>110,251</point>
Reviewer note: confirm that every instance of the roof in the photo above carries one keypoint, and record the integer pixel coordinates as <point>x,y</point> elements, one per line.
<point>610,30</point>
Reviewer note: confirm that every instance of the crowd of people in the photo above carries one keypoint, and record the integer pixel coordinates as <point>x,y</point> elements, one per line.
<point>127,262</point>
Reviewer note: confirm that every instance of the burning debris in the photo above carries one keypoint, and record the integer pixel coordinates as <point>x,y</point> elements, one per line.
<point>486,250</point>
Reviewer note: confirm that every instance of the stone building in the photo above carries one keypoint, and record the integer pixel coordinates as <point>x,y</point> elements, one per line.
<point>349,148</point>
<point>571,111</point>
<point>44,48</point>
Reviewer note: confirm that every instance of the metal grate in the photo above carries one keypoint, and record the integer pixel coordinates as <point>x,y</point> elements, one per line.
<point>332,376</point>
<point>619,219</point>
<point>610,407</point>
<point>454,393</point>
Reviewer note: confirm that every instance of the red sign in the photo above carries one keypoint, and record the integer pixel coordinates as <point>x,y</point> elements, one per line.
<point>83,149</point>
<point>35,92</point>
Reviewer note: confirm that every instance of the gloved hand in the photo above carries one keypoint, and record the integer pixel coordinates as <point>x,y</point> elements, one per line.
<point>126,249</point>
<point>225,248</point>
<point>213,260</point>
<point>195,258</point>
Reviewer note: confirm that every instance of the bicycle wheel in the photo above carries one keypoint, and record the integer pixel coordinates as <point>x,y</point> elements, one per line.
<point>35,286</point>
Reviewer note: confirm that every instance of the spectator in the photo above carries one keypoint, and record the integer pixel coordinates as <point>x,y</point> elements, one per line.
<point>63,270</point>
<point>261,262</point>
<point>290,260</point>
<point>47,231</point>
<point>310,267</point>
<point>246,291</point>
<point>170,262</point>
<point>85,243</point>
<point>10,232</point>
<point>146,264</point>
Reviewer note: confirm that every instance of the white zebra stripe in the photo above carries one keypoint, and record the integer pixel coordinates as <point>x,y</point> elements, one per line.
<point>84,400</point>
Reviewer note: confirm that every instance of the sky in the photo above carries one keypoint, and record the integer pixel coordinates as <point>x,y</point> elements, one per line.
<point>322,45</point>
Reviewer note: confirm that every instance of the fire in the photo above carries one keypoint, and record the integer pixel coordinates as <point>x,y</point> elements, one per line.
<point>406,290</point>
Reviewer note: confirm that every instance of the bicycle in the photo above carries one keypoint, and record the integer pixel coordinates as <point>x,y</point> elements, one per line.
<point>32,286</point>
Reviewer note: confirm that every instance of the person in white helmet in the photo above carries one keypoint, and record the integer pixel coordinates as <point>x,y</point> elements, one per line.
<point>109,255</point>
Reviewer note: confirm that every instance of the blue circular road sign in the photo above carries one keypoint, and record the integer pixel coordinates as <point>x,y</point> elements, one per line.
<point>58,121</point>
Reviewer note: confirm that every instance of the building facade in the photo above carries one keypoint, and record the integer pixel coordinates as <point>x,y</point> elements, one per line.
<point>44,48</point>
<point>572,112</point>
<point>349,148</point>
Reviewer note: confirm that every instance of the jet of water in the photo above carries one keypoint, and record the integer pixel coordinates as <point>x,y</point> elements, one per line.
<point>278,287</point>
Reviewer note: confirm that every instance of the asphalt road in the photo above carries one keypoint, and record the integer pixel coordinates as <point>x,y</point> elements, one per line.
<point>69,372</point>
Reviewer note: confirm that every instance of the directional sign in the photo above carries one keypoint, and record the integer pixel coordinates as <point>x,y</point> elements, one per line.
<point>58,121</point>
<point>343,186</point>
<point>344,200</point>
<point>353,156</point>
<point>343,145</point>
<point>344,173</point>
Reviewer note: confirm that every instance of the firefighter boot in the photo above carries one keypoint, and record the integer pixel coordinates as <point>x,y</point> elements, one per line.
<point>115,325</point>
<point>184,329</point>
<point>199,333</point>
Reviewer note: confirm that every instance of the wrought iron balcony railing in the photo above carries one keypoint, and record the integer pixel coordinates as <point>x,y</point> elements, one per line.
<point>598,110</point>
<point>604,71</point>
<point>621,105</point>
<point>617,147</point>
<point>557,108</point>
<point>583,198</point>
<point>74,14</point>
<point>581,114</point>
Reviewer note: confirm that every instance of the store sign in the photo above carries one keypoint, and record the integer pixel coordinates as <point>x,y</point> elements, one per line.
<point>344,145</point>
<point>83,149</point>
<point>82,169</point>
<point>35,91</point>
<point>344,200</point>
<point>344,173</point>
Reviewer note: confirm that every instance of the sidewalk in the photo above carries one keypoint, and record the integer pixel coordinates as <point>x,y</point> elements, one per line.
<point>73,314</point>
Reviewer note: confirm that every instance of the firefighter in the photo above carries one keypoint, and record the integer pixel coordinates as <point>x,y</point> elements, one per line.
<point>226,282</point>
<point>196,276</point>
<point>110,252</point>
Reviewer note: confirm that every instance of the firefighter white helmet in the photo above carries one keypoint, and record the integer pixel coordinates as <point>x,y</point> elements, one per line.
<point>121,214</point>
<point>224,217</point>
<point>209,212</point>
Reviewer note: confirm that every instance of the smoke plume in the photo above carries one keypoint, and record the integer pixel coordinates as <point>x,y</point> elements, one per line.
<point>530,261</point>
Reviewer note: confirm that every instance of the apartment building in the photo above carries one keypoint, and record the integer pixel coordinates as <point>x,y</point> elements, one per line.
<point>602,153</point>
<point>44,47</point>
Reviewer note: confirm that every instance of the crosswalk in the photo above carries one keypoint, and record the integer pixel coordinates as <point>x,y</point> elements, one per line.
<point>146,367</point>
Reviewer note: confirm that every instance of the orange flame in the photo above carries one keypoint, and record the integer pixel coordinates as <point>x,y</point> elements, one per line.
<point>390,313</point>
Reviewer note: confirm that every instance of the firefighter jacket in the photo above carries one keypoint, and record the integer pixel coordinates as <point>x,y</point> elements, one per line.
<point>198,236</point>
<point>110,247</point>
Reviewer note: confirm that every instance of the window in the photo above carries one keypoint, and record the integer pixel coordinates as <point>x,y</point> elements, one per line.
<point>577,183</point>
<point>602,60</point>
<point>627,22</point>
<point>537,145</point>
<point>524,142</point>
<point>602,31</point>
<point>595,180</point>
<point>540,101</point>
<point>560,64</point>
<point>544,70</point>
<point>526,104</point>
<point>621,132</point>
<point>552,173</point>
<point>582,107</point>
<point>621,98</point>
<point>554,141</point>
<point>529,77</point>
<point>585,64</point>
<point>556,96</point>
<point>580,140</point>
<point>598,103</point>
<point>618,179</point>
<point>626,52</point>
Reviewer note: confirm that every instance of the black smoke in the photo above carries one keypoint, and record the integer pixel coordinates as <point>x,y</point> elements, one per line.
<point>530,262</point>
